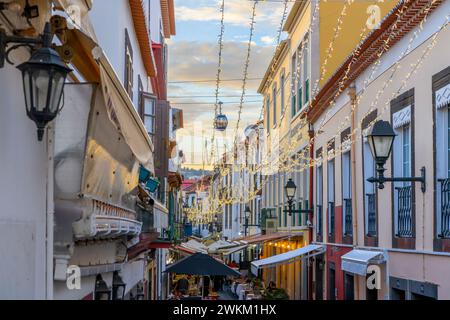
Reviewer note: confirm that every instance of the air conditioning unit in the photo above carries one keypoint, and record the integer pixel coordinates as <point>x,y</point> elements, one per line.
<point>271,225</point>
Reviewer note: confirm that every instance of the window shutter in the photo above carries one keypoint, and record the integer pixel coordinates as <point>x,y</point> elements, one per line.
<point>162,139</point>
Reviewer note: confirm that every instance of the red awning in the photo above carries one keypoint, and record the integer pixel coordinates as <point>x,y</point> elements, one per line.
<point>147,241</point>
<point>183,249</point>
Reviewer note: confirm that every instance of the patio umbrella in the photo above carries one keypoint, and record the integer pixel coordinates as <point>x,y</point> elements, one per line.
<point>202,265</point>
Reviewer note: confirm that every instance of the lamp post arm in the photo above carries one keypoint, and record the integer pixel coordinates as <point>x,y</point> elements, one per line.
<point>44,39</point>
<point>382,179</point>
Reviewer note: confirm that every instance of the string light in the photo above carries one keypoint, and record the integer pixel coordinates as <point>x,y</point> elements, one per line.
<point>385,48</point>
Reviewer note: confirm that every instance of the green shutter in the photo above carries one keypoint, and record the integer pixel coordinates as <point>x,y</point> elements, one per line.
<point>293,106</point>
<point>307,91</point>
<point>299,222</point>
<point>300,99</point>
<point>279,216</point>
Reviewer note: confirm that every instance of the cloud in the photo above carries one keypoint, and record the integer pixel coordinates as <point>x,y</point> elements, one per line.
<point>268,40</point>
<point>194,61</point>
<point>237,12</point>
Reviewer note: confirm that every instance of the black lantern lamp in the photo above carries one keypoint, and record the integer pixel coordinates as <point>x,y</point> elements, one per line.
<point>118,287</point>
<point>221,120</point>
<point>102,292</point>
<point>381,139</point>
<point>290,189</point>
<point>44,76</point>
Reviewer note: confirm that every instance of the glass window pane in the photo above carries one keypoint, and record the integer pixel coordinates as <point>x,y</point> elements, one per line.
<point>40,89</point>
<point>57,88</point>
<point>149,124</point>
<point>149,106</point>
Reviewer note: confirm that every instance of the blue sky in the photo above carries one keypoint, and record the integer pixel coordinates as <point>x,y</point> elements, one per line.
<point>193,56</point>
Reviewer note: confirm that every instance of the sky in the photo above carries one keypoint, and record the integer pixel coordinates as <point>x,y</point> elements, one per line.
<point>193,56</point>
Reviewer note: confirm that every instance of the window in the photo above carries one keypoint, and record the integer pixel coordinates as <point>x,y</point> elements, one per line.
<point>370,207</point>
<point>293,88</point>
<point>298,78</point>
<point>129,73</point>
<point>268,113</point>
<point>148,106</point>
<point>282,83</point>
<point>330,188</point>
<point>401,154</point>
<point>274,103</point>
<point>319,197</point>
<point>346,178</point>
<point>300,66</point>
<point>442,158</point>
<point>401,161</point>
<point>306,70</point>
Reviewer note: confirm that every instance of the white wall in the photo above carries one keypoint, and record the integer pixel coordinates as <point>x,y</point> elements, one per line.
<point>111,37</point>
<point>23,173</point>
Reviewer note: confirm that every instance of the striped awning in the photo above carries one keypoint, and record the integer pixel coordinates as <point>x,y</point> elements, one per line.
<point>401,117</point>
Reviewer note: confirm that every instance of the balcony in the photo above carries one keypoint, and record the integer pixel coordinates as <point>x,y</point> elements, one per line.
<point>101,220</point>
<point>371,214</point>
<point>331,215</point>
<point>445,208</point>
<point>348,219</point>
<point>404,212</point>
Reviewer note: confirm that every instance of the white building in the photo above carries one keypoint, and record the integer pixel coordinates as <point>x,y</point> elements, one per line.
<point>79,221</point>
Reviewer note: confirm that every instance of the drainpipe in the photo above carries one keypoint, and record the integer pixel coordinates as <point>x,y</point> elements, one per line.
<point>388,285</point>
<point>50,209</point>
<point>311,214</point>
<point>353,97</point>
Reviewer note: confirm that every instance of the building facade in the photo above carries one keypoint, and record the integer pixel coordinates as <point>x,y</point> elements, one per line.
<point>92,222</point>
<point>399,232</point>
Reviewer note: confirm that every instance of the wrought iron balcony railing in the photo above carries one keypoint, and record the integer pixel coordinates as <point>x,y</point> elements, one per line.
<point>348,220</point>
<point>371,214</point>
<point>445,208</point>
<point>404,212</point>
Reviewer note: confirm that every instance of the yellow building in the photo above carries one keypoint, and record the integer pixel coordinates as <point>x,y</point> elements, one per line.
<point>320,36</point>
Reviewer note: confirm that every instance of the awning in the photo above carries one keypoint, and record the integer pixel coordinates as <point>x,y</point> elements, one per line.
<point>229,251</point>
<point>258,238</point>
<point>201,264</point>
<point>356,261</point>
<point>288,257</point>
<point>183,250</point>
<point>220,245</point>
<point>195,246</point>
<point>95,66</point>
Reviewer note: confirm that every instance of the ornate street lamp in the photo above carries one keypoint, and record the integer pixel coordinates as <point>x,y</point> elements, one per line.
<point>289,190</point>
<point>102,292</point>
<point>118,287</point>
<point>380,139</point>
<point>44,76</point>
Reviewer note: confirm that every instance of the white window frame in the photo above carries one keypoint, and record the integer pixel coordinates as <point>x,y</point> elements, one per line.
<point>369,171</point>
<point>398,169</point>
<point>319,196</point>
<point>442,157</point>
